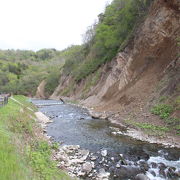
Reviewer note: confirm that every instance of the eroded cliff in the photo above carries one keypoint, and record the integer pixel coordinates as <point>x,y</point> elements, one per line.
<point>144,74</point>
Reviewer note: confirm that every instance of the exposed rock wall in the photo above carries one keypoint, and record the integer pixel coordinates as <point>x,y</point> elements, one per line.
<point>133,75</point>
<point>152,50</point>
<point>40,93</point>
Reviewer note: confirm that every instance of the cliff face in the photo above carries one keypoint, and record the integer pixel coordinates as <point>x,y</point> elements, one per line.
<point>136,71</point>
<point>40,93</point>
<point>146,74</point>
<point>146,70</point>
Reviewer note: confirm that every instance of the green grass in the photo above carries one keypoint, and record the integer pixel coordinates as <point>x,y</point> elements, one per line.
<point>149,128</point>
<point>177,103</point>
<point>24,156</point>
<point>152,127</point>
<point>39,155</point>
<point>163,110</point>
<point>174,124</point>
<point>11,162</point>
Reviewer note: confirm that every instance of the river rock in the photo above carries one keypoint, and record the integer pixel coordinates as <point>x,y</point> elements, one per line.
<point>87,167</point>
<point>127,172</point>
<point>76,161</point>
<point>171,172</point>
<point>80,173</point>
<point>162,166</point>
<point>154,165</point>
<point>141,177</point>
<point>93,158</point>
<point>62,157</point>
<point>93,164</point>
<point>104,153</point>
<point>162,173</point>
<point>103,175</point>
<point>84,153</point>
<point>152,172</point>
<point>177,173</point>
<point>70,148</point>
<point>144,165</point>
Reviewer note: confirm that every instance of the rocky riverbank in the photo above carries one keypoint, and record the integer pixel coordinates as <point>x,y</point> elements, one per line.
<point>124,129</point>
<point>103,164</point>
<point>138,134</point>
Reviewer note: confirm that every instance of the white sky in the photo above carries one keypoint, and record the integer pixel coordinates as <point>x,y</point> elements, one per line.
<point>37,24</point>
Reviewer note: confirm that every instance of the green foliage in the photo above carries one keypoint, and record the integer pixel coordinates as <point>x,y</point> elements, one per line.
<point>22,155</point>
<point>67,90</point>
<point>74,55</point>
<point>87,68</point>
<point>45,54</point>
<point>177,103</point>
<point>103,40</point>
<point>11,162</point>
<point>151,127</point>
<point>162,98</point>
<point>52,81</point>
<point>174,124</point>
<point>40,159</point>
<point>22,71</point>
<point>90,82</point>
<point>173,121</point>
<point>55,145</point>
<point>163,110</point>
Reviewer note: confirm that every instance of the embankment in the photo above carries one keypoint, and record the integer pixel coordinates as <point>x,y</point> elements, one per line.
<point>25,152</point>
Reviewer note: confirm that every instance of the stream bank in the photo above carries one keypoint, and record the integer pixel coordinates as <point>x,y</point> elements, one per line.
<point>138,134</point>
<point>91,151</point>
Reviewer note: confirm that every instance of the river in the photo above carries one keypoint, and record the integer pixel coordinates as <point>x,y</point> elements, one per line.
<point>73,125</point>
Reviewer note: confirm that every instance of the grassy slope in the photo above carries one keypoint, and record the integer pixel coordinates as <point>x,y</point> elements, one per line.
<point>23,155</point>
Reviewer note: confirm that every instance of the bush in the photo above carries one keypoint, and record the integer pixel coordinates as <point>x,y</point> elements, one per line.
<point>163,110</point>
<point>111,33</point>
<point>52,82</point>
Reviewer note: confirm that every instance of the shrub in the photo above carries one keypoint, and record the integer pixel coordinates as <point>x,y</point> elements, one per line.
<point>52,82</point>
<point>163,110</point>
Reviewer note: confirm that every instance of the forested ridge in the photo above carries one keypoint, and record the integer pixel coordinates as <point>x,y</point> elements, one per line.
<point>22,70</point>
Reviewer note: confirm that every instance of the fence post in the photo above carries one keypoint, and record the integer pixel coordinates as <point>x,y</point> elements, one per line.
<point>3,100</point>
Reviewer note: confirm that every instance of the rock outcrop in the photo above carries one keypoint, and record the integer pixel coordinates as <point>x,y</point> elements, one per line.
<point>40,93</point>
<point>145,59</point>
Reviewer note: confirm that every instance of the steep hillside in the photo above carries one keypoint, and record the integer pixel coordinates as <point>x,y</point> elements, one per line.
<point>146,59</point>
<point>22,70</point>
<point>25,152</point>
<point>142,80</point>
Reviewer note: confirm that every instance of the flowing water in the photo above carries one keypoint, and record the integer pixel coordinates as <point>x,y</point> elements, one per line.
<point>73,126</point>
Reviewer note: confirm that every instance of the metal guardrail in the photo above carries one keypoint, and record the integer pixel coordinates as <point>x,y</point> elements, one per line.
<point>3,100</point>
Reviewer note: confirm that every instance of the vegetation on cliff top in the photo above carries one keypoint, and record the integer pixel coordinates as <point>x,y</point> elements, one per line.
<point>22,71</point>
<point>104,39</point>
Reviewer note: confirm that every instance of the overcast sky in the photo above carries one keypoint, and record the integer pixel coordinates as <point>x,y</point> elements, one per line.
<point>37,24</point>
